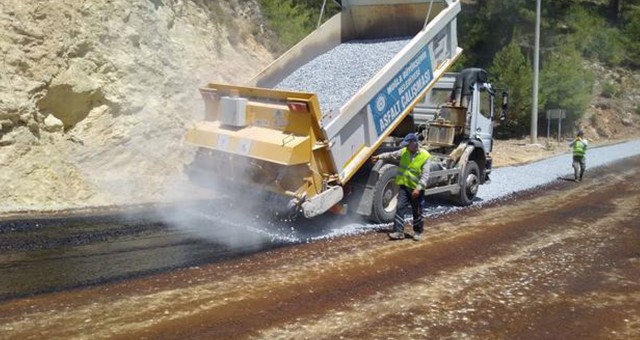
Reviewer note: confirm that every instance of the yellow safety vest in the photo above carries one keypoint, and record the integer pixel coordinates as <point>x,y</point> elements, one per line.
<point>410,170</point>
<point>579,148</point>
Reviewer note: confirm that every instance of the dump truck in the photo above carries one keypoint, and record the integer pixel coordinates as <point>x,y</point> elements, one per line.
<point>304,129</point>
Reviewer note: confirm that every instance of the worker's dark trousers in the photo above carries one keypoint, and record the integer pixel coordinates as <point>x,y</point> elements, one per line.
<point>406,205</point>
<point>579,165</point>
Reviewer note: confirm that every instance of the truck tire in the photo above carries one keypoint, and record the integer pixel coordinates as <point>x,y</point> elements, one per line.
<point>385,195</point>
<point>470,184</point>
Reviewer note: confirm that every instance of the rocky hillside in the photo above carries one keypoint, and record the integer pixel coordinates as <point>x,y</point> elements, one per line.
<point>614,113</point>
<point>95,95</point>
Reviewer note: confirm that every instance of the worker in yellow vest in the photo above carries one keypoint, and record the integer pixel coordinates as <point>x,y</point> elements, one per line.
<point>579,146</point>
<point>412,177</point>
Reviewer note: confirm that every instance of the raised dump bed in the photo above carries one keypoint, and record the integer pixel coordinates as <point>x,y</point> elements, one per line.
<point>305,124</point>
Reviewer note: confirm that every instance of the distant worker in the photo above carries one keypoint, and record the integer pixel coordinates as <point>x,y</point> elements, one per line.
<point>412,177</point>
<point>579,146</point>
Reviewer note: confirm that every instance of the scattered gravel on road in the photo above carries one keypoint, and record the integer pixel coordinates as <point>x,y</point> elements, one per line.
<point>507,181</point>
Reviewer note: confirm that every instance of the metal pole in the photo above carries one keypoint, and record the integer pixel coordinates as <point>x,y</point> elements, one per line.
<point>559,126</point>
<point>426,20</point>
<point>536,53</point>
<point>548,126</point>
<point>321,13</point>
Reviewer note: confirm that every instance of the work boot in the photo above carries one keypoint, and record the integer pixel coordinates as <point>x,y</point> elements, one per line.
<point>417,236</point>
<point>398,235</point>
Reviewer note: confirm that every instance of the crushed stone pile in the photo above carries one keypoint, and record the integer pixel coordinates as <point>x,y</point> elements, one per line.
<point>338,74</point>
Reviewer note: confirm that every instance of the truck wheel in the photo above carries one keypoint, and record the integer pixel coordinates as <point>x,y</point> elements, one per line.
<point>470,184</point>
<point>385,195</point>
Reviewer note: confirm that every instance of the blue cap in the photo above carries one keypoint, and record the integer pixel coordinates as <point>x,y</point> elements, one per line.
<point>410,137</point>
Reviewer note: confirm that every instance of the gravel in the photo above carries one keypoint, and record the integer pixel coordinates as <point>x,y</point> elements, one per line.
<point>338,74</point>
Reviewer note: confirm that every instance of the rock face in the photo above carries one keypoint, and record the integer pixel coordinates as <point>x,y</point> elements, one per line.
<point>53,124</point>
<point>95,96</point>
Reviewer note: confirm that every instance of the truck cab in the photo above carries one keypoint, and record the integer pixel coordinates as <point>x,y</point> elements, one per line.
<point>455,123</point>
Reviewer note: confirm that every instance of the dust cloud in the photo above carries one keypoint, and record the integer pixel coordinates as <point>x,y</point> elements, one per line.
<point>232,215</point>
<point>249,218</point>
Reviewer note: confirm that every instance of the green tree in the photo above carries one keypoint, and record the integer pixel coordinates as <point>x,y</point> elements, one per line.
<point>486,27</point>
<point>512,69</point>
<point>593,37</point>
<point>620,9</point>
<point>631,31</point>
<point>314,7</point>
<point>565,83</point>
<point>290,21</point>
<point>293,20</point>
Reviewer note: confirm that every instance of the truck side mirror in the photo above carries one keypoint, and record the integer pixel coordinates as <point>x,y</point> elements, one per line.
<point>505,105</point>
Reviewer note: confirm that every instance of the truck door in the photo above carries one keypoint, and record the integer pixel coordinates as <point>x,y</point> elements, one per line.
<point>482,105</point>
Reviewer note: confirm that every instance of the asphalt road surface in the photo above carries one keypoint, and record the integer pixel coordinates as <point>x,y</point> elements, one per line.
<point>560,262</point>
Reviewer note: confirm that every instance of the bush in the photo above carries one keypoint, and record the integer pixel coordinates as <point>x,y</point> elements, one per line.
<point>638,109</point>
<point>609,90</point>
<point>608,45</point>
